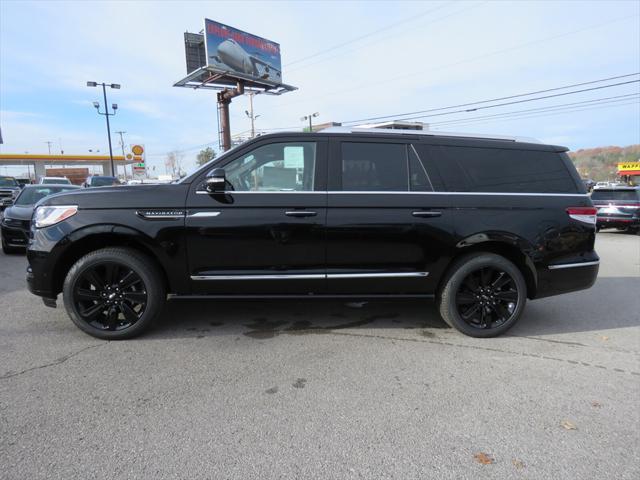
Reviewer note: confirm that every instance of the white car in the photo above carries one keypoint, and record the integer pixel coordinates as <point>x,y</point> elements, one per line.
<point>54,180</point>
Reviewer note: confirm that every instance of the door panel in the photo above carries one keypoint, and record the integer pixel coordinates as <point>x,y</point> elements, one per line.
<point>383,238</point>
<point>376,245</point>
<point>259,242</point>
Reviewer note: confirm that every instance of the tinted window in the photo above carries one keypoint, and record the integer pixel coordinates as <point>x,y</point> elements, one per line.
<point>275,167</point>
<point>473,169</point>
<point>622,195</point>
<point>103,181</point>
<point>374,167</point>
<point>418,177</point>
<point>8,182</point>
<point>32,195</point>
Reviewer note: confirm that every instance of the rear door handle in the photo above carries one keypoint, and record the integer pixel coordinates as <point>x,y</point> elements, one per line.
<point>300,213</point>
<point>427,213</point>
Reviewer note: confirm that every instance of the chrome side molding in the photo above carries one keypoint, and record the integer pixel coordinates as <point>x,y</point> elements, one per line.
<point>573,265</point>
<point>312,276</point>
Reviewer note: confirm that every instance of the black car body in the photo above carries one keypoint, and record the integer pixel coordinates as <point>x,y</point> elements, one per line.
<point>478,224</point>
<point>16,220</point>
<point>618,207</point>
<point>9,190</point>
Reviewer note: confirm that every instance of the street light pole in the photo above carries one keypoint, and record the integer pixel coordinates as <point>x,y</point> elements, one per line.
<point>106,114</point>
<point>104,94</point>
<point>310,117</point>
<point>124,166</point>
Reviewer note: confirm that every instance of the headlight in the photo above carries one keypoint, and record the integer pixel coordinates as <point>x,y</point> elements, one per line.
<point>47,216</point>
<point>14,193</point>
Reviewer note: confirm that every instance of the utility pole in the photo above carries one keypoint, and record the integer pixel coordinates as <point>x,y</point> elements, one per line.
<point>250,114</point>
<point>49,145</point>
<point>124,166</point>
<point>224,99</point>
<point>106,113</point>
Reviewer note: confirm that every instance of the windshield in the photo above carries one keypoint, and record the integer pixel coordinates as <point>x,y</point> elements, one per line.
<point>8,182</point>
<point>103,181</point>
<point>622,195</point>
<point>32,195</point>
<point>49,181</point>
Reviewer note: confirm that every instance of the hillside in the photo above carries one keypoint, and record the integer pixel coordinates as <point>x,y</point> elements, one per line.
<point>600,163</point>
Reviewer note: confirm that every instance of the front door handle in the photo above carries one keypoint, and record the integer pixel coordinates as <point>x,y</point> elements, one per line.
<point>300,213</point>
<point>427,213</point>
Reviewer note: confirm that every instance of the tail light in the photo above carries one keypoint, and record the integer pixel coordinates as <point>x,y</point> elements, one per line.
<point>583,214</point>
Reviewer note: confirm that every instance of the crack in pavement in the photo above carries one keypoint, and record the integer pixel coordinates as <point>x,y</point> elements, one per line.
<point>576,344</point>
<point>51,364</point>
<point>487,349</point>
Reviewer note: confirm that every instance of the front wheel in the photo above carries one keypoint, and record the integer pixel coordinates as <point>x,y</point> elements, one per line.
<point>114,293</point>
<point>483,295</point>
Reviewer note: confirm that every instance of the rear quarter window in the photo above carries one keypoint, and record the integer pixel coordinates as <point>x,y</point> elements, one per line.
<point>476,169</point>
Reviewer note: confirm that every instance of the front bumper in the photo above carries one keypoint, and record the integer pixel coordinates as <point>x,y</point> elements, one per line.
<point>15,236</point>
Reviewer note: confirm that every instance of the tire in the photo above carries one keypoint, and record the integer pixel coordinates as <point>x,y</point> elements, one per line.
<point>114,293</point>
<point>483,295</point>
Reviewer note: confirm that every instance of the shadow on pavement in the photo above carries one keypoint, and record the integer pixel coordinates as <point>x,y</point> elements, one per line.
<point>607,305</point>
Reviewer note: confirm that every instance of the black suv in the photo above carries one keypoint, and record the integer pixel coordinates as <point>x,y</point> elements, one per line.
<point>618,207</point>
<point>478,224</point>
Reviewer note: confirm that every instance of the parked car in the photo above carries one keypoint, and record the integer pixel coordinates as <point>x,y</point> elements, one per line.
<point>101,181</point>
<point>618,207</point>
<point>16,221</point>
<point>9,190</point>
<point>477,224</point>
<point>54,181</point>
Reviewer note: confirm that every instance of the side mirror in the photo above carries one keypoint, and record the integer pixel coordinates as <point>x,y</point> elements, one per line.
<point>216,181</point>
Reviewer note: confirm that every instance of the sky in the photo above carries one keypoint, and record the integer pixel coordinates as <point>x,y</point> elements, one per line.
<point>349,61</point>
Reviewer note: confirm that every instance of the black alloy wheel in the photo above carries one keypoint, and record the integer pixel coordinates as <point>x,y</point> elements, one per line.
<point>483,295</point>
<point>114,293</point>
<point>487,298</point>
<point>110,296</point>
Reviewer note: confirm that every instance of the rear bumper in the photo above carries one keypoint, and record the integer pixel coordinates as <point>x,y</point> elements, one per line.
<point>568,276</point>
<point>617,222</point>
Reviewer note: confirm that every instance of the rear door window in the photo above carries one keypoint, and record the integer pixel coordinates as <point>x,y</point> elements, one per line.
<point>374,167</point>
<point>475,169</point>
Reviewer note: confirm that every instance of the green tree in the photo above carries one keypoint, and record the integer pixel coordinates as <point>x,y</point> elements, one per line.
<point>205,155</point>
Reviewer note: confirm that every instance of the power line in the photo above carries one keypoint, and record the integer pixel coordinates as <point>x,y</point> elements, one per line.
<point>554,113</point>
<point>497,99</point>
<point>386,37</point>
<point>614,99</point>
<point>460,62</point>
<point>497,104</point>
<point>366,35</point>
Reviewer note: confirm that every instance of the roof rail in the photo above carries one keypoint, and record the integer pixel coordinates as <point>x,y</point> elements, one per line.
<point>433,133</point>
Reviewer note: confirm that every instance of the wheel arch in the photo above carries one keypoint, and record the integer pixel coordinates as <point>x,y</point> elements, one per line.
<point>509,246</point>
<point>87,240</point>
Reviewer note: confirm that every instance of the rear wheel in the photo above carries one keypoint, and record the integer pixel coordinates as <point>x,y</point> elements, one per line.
<point>114,293</point>
<point>483,296</point>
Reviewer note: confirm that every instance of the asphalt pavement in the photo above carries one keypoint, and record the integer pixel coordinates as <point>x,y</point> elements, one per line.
<point>327,390</point>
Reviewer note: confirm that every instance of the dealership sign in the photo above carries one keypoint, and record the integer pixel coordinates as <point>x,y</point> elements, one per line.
<point>240,54</point>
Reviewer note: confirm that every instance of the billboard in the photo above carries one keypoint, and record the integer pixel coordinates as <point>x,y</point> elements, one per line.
<point>241,54</point>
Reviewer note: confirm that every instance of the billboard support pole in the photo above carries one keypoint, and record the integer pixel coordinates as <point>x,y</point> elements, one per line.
<point>224,99</point>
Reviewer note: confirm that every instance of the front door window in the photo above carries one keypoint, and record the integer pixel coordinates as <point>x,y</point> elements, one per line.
<point>277,167</point>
